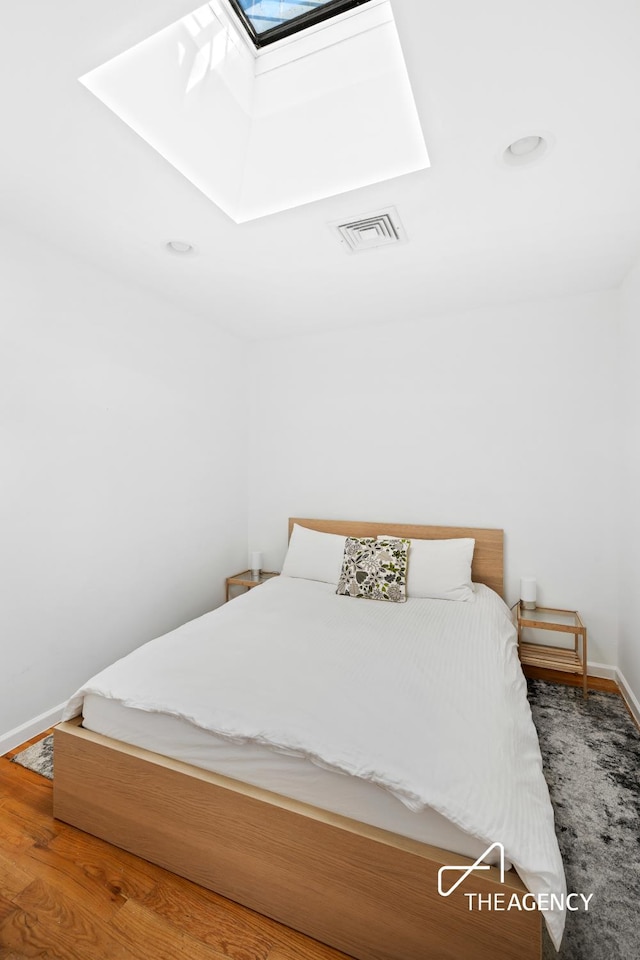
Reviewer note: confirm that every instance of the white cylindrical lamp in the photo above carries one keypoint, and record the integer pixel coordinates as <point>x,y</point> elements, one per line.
<point>528,593</point>
<point>256,564</point>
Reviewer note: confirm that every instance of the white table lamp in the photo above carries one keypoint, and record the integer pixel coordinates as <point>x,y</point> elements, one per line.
<point>528,593</point>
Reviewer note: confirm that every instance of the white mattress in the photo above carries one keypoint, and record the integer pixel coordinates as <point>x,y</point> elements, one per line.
<point>294,777</point>
<point>423,701</point>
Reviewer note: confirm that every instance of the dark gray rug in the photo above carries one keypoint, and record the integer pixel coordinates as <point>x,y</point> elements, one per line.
<point>591,755</point>
<point>38,757</point>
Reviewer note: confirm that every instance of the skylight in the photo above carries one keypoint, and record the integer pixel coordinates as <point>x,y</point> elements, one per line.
<point>260,131</point>
<point>270,20</point>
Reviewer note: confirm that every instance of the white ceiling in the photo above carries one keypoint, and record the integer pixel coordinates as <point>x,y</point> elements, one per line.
<point>483,75</point>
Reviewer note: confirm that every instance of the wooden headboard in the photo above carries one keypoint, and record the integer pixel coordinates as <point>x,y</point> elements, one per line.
<point>488,561</point>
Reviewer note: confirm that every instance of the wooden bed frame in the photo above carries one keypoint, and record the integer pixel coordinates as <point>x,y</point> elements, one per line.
<point>365,891</point>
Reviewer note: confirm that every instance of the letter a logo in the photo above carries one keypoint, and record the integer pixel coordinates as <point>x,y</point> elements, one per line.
<point>465,871</point>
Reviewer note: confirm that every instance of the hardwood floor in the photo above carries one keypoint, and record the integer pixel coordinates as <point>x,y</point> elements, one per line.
<point>557,676</point>
<point>67,896</point>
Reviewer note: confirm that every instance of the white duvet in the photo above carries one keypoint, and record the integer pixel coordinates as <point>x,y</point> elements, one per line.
<point>424,698</point>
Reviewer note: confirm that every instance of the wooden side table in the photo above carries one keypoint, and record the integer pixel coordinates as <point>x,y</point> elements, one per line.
<point>568,659</point>
<point>246,579</point>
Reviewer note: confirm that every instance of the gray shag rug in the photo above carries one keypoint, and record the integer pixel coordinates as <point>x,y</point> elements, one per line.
<point>591,754</point>
<point>38,757</point>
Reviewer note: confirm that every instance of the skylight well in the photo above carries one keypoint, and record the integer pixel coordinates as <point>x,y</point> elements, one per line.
<point>263,130</point>
<point>270,20</point>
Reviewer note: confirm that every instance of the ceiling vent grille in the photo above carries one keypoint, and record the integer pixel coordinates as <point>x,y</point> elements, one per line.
<point>372,230</point>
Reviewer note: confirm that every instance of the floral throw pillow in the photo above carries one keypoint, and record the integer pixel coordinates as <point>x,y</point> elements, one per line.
<point>376,569</point>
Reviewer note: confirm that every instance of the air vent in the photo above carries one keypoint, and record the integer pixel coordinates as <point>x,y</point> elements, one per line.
<point>373,230</point>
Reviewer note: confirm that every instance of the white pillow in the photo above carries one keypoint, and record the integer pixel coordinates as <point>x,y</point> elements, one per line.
<point>313,555</point>
<point>440,569</point>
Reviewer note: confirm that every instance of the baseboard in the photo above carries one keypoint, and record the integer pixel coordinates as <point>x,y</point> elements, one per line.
<point>13,738</point>
<point>602,670</point>
<point>629,696</point>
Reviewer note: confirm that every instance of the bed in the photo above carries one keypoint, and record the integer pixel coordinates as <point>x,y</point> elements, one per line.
<point>315,838</point>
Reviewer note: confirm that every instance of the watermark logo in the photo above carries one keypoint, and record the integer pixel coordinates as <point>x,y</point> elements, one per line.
<point>501,901</point>
<point>465,871</point>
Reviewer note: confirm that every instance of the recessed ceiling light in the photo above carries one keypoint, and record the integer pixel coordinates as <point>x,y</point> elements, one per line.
<point>179,246</point>
<point>525,150</point>
<point>520,148</point>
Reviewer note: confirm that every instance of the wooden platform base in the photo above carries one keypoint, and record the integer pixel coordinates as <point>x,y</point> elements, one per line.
<point>65,895</point>
<point>366,892</point>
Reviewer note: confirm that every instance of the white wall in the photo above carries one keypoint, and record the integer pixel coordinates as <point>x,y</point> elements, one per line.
<point>629,652</point>
<point>500,417</point>
<point>123,441</point>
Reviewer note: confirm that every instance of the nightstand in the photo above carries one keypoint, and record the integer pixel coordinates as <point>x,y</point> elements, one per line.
<point>567,659</point>
<point>246,579</point>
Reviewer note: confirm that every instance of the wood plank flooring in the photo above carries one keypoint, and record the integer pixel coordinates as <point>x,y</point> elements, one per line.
<point>67,896</point>
<point>571,680</point>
